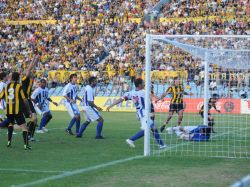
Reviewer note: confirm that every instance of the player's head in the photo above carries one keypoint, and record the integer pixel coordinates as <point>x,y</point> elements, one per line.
<point>139,84</point>
<point>73,78</point>
<point>176,81</point>
<point>43,83</point>
<point>3,76</point>
<point>92,81</point>
<point>215,97</point>
<point>15,76</point>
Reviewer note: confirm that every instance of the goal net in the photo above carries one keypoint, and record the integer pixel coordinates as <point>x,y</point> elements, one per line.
<point>202,87</point>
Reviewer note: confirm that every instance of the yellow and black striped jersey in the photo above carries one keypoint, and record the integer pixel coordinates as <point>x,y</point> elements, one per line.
<point>177,93</point>
<point>27,84</point>
<point>13,95</point>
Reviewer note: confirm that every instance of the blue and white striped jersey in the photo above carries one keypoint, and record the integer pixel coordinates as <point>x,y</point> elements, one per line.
<point>2,103</point>
<point>89,95</point>
<point>41,96</point>
<point>70,90</point>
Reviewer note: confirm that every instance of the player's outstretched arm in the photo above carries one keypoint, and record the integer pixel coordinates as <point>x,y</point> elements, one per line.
<point>115,103</point>
<point>189,94</point>
<point>92,104</point>
<point>78,98</point>
<point>68,99</point>
<point>54,103</point>
<point>162,97</point>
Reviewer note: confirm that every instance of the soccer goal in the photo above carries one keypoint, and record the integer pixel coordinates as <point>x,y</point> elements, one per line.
<point>206,80</point>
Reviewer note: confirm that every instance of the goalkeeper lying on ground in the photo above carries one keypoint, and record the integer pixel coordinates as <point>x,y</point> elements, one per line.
<point>192,133</point>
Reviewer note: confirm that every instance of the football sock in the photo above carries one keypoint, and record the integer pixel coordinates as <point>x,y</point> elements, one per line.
<point>25,137</point>
<point>137,135</point>
<point>72,122</point>
<point>31,128</point>
<point>99,128</point>
<point>49,117</point>
<point>77,126</point>
<point>43,122</point>
<point>10,132</point>
<point>83,127</point>
<point>157,136</point>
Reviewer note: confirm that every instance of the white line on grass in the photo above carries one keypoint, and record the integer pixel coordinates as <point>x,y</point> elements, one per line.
<point>30,170</point>
<point>78,171</point>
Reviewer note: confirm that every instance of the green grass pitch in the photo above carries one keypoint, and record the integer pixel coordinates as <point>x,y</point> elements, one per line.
<point>59,159</point>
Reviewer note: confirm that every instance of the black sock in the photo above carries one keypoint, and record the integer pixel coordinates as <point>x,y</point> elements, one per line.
<point>30,128</point>
<point>33,129</point>
<point>28,125</point>
<point>25,137</point>
<point>10,132</point>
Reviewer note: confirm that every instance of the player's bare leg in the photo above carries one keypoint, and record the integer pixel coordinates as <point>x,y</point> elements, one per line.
<point>211,123</point>
<point>32,126</point>
<point>180,117</point>
<point>170,115</point>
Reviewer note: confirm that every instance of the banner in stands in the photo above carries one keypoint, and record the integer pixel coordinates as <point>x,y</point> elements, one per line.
<point>245,106</point>
<point>226,106</point>
<point>63,75</point>
<point>196,19</point>
<point>28,22</point>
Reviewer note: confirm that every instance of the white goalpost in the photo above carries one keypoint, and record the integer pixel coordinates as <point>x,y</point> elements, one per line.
<point>214,71</point>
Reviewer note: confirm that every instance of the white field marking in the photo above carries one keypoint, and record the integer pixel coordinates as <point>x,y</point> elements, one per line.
<point>78,171</point>
<point>30,170</point>
<point>188,142</point>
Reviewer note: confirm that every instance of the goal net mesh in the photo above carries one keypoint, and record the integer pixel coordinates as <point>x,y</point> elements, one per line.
<point>222,98</point>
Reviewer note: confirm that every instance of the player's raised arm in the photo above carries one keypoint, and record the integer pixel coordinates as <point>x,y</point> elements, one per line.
<point>32,64</point>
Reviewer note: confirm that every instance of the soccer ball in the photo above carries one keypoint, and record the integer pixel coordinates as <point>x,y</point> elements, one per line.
<point>243,94</point>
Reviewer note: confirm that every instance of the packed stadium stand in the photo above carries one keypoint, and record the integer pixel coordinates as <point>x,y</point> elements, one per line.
<point>106,40</point>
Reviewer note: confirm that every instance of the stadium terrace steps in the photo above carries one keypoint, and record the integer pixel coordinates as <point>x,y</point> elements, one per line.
<point>112,90</point>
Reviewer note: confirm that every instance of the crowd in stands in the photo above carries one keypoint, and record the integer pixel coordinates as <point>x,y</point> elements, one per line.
<point>113,48</point>
<point>72,9</point>
<point>200,8</point>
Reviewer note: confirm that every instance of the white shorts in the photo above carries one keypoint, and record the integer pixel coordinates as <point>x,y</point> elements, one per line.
<point>91,114</point>
<point>42,111</point>
<point>72,109</point>
<point>143,123</point>
<point>178,132</point>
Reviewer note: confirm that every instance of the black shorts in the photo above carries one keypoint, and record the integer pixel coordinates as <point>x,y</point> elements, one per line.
<point>32,109</point>
<point>18,118</point>
<point>176,107</point>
